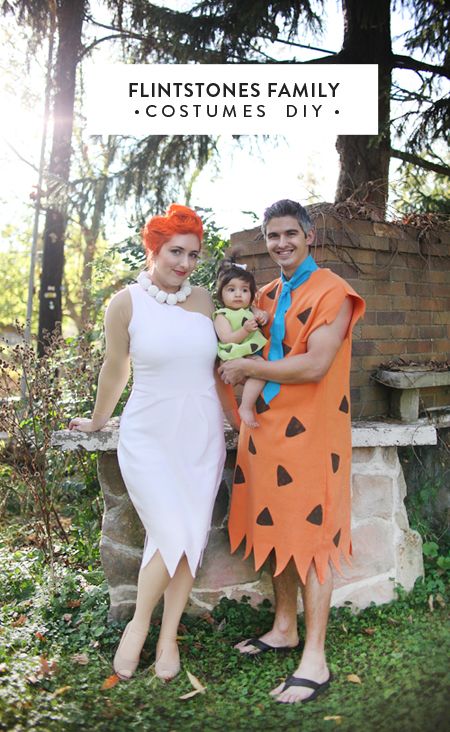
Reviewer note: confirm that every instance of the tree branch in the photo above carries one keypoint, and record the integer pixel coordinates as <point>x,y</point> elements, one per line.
<point>420,162</point>
<point>406,62</point>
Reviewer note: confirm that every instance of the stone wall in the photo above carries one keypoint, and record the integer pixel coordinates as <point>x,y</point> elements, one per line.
<point>386,550</point>
<point>404,276</point>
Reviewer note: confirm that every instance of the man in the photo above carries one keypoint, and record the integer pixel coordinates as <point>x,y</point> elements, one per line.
<point>291,493</point>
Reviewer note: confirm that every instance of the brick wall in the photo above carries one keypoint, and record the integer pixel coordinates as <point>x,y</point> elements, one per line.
<point>404,277</point>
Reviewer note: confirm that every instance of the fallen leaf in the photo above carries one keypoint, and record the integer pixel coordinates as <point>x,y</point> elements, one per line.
<point>334,718</point>
<point>431,603</point>
<point>47,668</point>
<point>81,658</point>
<point>94,644</point>
<point>222,624</point>
<point>344,628</point>
<point>208,618</point>
<point>195,682</point>
<point>354,679</point>
<point>190,694</point>
<point>73,603</point>
<point>392,621</point>
<point>67,617</point>
<point>21,620</point>
<point>32,679</point>
<point>440,599</point>
<point>40,637</point>
<point>410,619</point>
<point>110,682</point>
<point>369,631</point>
<point>182,629</point>
<point>3,668</point>
<point>61,690</point>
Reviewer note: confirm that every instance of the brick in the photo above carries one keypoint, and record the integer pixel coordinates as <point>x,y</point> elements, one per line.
<point>418,317</point>
<point>428,303</point>
<point>390,288</point>
<point>404,274</point>
<point>360,227</point>
<point>343,270</point>
<point>432,331</point>
<point>439,275</point>
<point>379,302</point>
<point>370,363</point>
<point>403,332</point>
<point>390,348</point>
<point>418,347</point>
<point>363,348</point>
<point>388,230</point>
<point>438,318</point>
<point>386,259</point>
<point>390,317</point>
<point>375,331</point>
<point>370,317</point>
<point>377,243</point>
<point>441,347</point>
<point>403,302</point>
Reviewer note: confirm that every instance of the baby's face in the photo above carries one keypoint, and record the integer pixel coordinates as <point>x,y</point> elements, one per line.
<point>236,294</point>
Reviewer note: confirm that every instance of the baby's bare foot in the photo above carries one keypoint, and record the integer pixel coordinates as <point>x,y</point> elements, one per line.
<point>247,416</point>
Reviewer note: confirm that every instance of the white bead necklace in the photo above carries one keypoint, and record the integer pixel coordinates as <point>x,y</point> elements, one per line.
<point>170,298</point>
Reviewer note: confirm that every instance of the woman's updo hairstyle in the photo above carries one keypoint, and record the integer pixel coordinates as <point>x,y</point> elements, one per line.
<point>177,220</point>
<point>229,270</point>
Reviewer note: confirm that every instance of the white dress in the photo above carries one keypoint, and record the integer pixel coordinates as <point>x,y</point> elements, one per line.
<point>171,443</point>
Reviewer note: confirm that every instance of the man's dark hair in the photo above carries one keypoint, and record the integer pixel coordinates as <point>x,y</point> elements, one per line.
<point>230,270</point>
<point>285,207</point>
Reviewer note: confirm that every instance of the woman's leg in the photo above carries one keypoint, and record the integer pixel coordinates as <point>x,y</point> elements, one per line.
<point>167,663</point>
<point>152,582</point>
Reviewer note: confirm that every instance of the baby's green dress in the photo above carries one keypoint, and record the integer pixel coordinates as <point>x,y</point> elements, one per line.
<point>250,345</point>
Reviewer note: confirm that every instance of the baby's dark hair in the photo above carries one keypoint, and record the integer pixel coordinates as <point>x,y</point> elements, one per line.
<point>229,270</point>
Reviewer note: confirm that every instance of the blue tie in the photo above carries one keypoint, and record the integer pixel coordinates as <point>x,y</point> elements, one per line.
<point>278,327</point>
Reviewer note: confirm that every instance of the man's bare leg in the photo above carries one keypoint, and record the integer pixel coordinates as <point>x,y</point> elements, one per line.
<point>313,664</point>
<point>284,631</point>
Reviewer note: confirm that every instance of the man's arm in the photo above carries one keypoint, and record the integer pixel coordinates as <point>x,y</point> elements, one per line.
<point>322,347</point>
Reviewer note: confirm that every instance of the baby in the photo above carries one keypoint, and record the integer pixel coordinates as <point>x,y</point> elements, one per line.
<point>237,327</point>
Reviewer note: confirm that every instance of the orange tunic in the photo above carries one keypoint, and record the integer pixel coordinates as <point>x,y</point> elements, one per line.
<point>291,491</point>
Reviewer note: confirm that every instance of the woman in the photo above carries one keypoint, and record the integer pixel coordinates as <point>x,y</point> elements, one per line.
<point>171,446</point>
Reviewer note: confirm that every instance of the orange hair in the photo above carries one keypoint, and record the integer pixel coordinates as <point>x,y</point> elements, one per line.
<point>177,220</point>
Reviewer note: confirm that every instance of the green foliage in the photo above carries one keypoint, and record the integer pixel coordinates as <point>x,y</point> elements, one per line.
<point>57,648</point>
<point>213,250</point>
<point>39,396</point>
<point>420,191</point>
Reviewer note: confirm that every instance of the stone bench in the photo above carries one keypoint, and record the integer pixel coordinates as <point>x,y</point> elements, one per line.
<point>386,551</point>
<point>405,386</point>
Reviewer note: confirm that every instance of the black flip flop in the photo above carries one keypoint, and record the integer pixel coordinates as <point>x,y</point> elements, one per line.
<point>317,688</point>
<point>264,647</point>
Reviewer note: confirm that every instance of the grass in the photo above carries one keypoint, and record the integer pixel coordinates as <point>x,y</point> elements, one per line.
<point>56,649</point>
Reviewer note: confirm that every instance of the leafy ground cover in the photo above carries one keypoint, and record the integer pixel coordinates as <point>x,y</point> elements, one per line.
<point>56,645</point>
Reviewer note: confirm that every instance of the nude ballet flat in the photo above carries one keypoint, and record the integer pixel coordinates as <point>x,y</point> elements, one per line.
<point>126,665</point>
<point>164,671</point>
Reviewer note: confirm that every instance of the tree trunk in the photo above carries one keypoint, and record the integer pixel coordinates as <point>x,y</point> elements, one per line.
<point>70,15</point>
<point>364,159</point>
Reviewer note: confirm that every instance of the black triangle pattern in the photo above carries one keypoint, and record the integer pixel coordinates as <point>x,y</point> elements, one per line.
<point>261,405</point>
<point>343,407</point>
<point>264,518</point>
<point>239,476</point>
<point>251,446</point>
<point>254,347</point>
<point>286,349</point>
<point>316,516</point>
<point>304,315</point>
<point>244,320</point>
<point>337,538</point>
<point>335,460</point>
<point>227,348</point>
<point>283,477</point>
<point>273,293</point>
<point>295,427</point>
